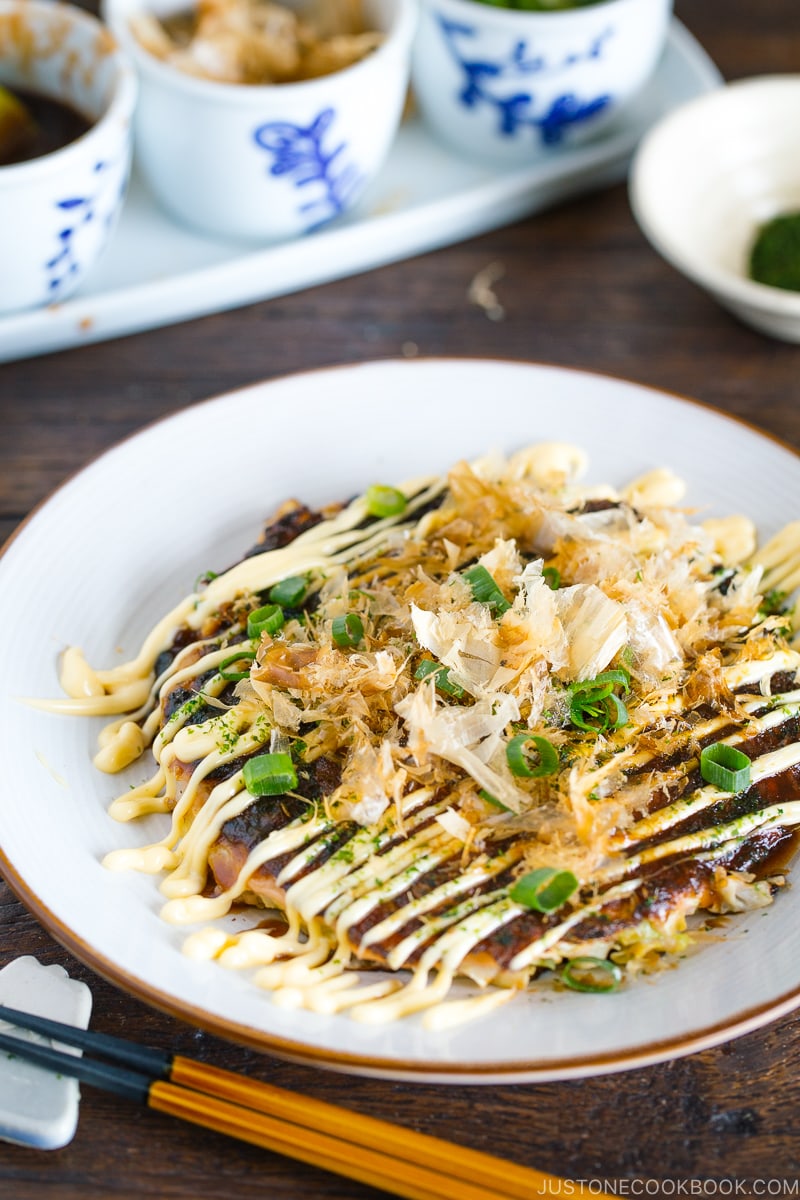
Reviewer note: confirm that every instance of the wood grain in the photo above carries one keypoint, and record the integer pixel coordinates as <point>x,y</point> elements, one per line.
<point>579,287</point>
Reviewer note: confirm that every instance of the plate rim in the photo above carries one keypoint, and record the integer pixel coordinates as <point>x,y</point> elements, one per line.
<point>420,1071</point>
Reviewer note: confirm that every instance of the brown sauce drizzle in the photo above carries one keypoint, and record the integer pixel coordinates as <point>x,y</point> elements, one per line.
<point>781,855</point>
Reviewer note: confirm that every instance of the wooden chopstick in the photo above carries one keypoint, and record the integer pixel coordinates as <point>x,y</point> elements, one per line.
<point>302,1142</point>
<point>458,1162</point>
<point>391,1157</point>
<point>359,1162</point>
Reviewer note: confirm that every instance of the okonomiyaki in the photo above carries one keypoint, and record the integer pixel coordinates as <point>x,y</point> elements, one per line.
<point>493,726</point>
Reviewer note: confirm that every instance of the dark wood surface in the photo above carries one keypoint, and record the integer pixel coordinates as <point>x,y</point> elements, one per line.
<point>580,287</point>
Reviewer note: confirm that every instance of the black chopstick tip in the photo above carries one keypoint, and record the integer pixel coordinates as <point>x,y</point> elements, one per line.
<point>108,1076</point>
<point>142,1059</point>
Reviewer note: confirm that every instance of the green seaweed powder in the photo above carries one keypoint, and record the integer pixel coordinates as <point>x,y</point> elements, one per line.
<point>775,256</point>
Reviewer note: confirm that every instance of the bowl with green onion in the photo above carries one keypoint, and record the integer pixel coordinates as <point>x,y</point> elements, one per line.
<point>512,80</point>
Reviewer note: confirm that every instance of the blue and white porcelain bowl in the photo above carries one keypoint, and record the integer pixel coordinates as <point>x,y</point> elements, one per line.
<point>267,161</point>
<point>509,84</point>
<point>57,212</point>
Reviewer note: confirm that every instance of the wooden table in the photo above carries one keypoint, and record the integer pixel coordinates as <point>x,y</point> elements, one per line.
<point>580,287</point>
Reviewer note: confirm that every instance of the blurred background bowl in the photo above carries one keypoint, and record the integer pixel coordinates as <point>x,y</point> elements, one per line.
<point>266,161</point>
<point>57,211</point>
<point>709,176</point>
<point>507,85</point>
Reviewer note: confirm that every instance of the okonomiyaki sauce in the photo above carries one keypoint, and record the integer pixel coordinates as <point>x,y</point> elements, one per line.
<point>782,857</point>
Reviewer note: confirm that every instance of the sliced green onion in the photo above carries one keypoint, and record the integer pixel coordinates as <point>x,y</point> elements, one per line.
<point>383,501</point>
<point>268,619</point>
<point>347,629</point>
<point>725,767</point>
<point>619,677</point>
<point>518,759</point>
<point>618,713</point>
<point>235,676</point>
<point>443,681</point>
<point>594,705</point>
<point>289,592</point>
<point>490,799</point>
<point>204,578</point>
<point>270,774</point>
<point>591,691</point>
<point>485,590</point>
<point>592,718</point>
<point>552,577</point>
<point>587,974</point>
<point>544,889</point>
<point>598,713</point>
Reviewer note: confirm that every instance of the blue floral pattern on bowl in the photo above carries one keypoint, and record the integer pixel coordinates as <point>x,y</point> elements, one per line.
<point>300,154</point>
<point>65,267</point>
<point>517,108</point>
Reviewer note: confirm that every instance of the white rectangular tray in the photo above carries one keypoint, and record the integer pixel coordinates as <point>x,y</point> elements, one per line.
<point>156,271</point>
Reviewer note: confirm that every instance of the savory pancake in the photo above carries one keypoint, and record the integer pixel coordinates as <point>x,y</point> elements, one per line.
<point>485,726</point>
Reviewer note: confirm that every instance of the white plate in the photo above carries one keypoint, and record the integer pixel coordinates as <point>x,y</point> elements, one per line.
<point>156,271</point>
<point>123,541</point>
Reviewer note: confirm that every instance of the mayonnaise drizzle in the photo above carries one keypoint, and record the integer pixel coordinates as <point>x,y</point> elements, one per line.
<point>333,542</point>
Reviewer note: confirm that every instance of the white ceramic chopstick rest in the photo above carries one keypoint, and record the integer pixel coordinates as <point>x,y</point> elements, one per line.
<point>38,1108</point>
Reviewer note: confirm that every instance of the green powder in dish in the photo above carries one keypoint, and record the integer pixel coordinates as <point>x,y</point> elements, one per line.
<point>775,257</point>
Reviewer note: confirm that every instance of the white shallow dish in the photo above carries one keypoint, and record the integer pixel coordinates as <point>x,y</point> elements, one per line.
<point>37,1107</point>
<point>125,539</point>
<point>708,176</point>
<point>157,271</point>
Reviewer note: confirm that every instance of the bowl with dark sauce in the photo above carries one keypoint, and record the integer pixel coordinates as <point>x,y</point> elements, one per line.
<point>67,96</point>
<point>715,187</point>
